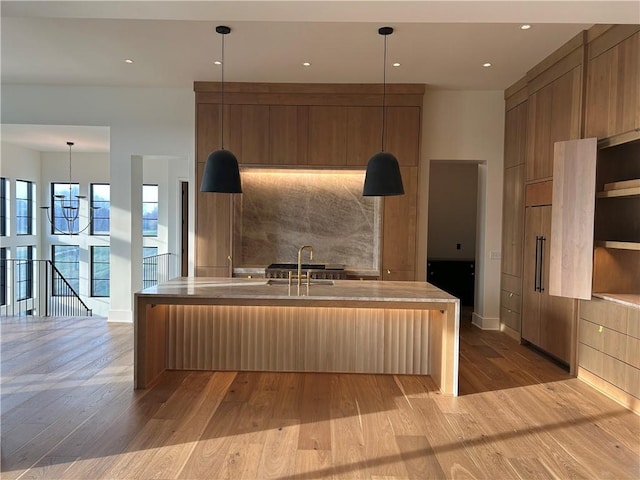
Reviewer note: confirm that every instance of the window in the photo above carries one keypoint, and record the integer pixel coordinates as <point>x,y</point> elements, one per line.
<point>4,198</point>
<point>66,260</point>
<point>23,273</point>
<point>3,276</point>
<point>99,271</point>
<point>150,210</point>
<point>64,194</point>
<point>149,266</point>
<point>24,207</point>
<point>101,205</point>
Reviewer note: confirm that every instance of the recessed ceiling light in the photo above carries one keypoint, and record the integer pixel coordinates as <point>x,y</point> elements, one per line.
<point>526,26</point>
<point>217,62</point>
<point>128,60</point>
<point>306,64</point>
<point>486,64</point>
<point>396,64</point>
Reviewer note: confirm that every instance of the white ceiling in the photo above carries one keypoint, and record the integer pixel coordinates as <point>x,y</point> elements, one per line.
<point>173,43</point>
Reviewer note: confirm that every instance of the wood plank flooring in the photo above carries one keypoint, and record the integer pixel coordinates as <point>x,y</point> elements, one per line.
<point>69,411</point>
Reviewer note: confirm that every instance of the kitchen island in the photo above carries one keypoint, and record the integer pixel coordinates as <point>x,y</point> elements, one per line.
<point>332,326</point>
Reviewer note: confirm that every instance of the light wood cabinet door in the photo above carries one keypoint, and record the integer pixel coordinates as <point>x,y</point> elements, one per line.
<point>513,220</point>
<point>364,134</point>
<point>554,114</point>
<point>288,134</point>
<point>556,313</point>
<point>399,230</point>
<point>546,319</point>
<point>248,133</point>
<point>327,135</point>
<point>208,131</point>
<point>530,275</point>
<point>402,134</point>
<point>213,229</point>
<point>574,191</point>
<point>515,136</point>
<point>613,90</point>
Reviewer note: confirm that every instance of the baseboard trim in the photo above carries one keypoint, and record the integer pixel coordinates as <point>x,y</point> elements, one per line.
<point>510,332</point>
<point>485,323</point>
<point>614,393</point>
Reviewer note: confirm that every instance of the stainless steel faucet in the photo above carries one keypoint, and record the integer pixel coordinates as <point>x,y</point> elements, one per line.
<point>300,262</point>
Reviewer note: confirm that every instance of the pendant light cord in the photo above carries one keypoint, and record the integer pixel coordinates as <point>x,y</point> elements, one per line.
<point>222,99</point>
<point>384,92</point>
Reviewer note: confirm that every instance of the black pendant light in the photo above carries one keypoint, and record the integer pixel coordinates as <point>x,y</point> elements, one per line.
<point>383,178</point>
<point>221,173</point>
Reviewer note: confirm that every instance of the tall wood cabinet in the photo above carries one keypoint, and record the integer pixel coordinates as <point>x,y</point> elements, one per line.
<point>582,226</point>
<point>309,126</point>
<point>546,320</point>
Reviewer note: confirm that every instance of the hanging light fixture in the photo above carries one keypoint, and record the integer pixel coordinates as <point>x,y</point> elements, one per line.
<point>221,172</point>
<point>66,207</point>
<point>383,177</point>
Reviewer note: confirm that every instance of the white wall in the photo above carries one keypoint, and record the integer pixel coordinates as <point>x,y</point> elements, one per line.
<point>19,163</point>
<point>468,125</point>
<point>142,121</point>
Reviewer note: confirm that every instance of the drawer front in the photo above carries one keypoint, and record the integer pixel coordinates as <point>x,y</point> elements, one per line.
<point>511,283</point>
<point>510,301</point>
<point>510,318</point>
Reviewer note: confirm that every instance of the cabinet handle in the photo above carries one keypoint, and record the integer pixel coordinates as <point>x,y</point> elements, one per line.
<point>388,272</point>
<point>535,273</point>
<point>542,240</point>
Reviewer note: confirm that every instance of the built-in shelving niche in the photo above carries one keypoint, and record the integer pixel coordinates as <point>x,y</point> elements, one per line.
<point>617,219</point>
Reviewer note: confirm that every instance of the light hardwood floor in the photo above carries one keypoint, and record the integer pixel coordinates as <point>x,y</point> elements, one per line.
<point>69,411</point>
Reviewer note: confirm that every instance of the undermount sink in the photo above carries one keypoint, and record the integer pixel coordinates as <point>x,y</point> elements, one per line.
<point>313,281</point>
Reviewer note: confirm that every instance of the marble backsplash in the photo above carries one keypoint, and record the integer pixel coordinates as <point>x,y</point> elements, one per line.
<point>282,209</point>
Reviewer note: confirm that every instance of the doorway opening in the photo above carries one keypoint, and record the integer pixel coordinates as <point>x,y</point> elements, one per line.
<point>452,230</point>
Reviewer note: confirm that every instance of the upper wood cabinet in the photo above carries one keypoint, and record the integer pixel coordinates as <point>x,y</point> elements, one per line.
<point>327,135</point>
<point>288,134</point>
<point>248,133</point>
<point>207,130</point>
<point>515,135</point>
<point>319,125</point>
<point>403,134</point>
<point>554,114</point>
<point>613,85</point>
<point>364,134</point>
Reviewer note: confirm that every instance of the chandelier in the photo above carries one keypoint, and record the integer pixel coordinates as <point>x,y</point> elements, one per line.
<point>66,209</point>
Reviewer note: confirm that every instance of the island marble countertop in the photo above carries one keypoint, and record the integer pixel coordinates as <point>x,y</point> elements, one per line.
<point>250,290</point>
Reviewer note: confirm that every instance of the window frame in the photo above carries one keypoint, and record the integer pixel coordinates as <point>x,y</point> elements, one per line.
<point>70,280</point>
<point>29,200</point>
<point>93,271</point>
<point>28,280</point>
<point>92,203</point>
<point>157,204</point>
<point>4,206</point>
<point>3,276</point>
<point>76,223</point>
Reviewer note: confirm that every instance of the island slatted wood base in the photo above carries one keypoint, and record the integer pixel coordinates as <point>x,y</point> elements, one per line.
<point>250,325</point>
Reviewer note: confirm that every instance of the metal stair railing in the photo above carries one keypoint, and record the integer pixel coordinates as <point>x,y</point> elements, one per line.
<point>37,287</point>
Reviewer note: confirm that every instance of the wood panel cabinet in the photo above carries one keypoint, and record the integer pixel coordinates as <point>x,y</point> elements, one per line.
<point>364,134</point>
<point>613,86</point>
<point>546,320</point>
<point>288,134</point>
<point>554,114</point>
<point>213,230</point>
<point>399,230</point>
<point>248,133</point>
<point>403,134</point>
<point>327,135</point>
